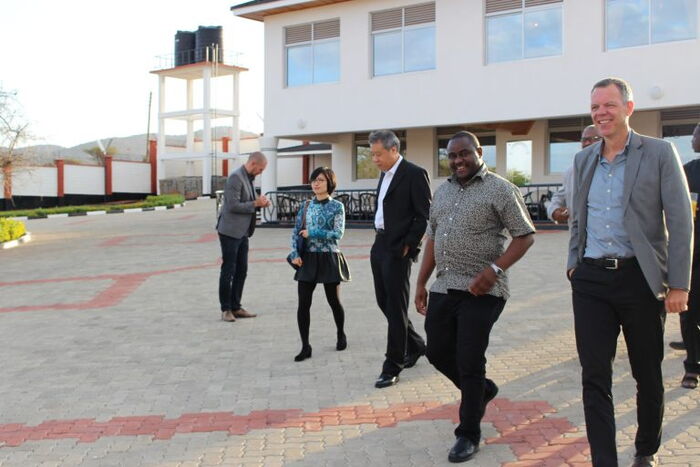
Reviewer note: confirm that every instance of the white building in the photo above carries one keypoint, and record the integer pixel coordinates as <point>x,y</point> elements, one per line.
<point>516,72</point>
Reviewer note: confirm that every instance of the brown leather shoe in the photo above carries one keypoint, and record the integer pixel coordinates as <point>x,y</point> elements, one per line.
<point>243,314</point>
<point>227,316</point>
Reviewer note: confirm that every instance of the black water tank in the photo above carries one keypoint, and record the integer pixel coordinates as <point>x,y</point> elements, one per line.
<point>209,37</point>
<point>184,47</point>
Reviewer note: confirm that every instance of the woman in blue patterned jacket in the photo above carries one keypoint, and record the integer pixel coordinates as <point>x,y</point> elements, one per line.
<point>322,262</point>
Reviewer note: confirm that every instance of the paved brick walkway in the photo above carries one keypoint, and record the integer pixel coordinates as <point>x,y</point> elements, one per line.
<point>114,355</point>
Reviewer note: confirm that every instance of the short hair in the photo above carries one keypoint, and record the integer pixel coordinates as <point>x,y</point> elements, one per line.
<point>387,137</point>
<point>257,157</point>
<point>327,172</point>
<point>467,135</point>
<point>622,85</point>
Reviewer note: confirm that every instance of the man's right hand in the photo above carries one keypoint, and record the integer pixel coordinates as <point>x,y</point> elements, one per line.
<point>421,300</point>
<point>297,261</point>
<point>569,272</point>
<point>261,202</point>
<point>561,215</point>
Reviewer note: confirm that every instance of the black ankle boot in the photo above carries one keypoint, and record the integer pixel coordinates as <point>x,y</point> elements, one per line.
<point>304,354</point>
<point>342,343</point>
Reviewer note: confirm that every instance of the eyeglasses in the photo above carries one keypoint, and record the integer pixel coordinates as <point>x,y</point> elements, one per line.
<point>591,139</point>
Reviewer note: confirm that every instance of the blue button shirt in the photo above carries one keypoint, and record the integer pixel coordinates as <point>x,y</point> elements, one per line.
<point>605,233</point>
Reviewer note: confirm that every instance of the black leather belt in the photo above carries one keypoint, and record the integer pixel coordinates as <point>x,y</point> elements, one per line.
<point>380,231</point>
<point>611,263</point>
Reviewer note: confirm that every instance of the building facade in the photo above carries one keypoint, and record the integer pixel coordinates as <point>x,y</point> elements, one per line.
<point>516,72</point>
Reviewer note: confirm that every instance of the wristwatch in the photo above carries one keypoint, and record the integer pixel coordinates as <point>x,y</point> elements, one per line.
<point>499,272</point>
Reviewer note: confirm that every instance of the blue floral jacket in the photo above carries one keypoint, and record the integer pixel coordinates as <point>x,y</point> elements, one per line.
<point>325,221</point>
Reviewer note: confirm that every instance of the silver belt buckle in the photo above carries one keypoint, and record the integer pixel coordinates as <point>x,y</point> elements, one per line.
<point>614,260</point>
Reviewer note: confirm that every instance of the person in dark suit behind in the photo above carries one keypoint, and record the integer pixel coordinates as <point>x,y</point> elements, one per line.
<point>235,224</point>
<point>629,265</point>
<point>403,206</point>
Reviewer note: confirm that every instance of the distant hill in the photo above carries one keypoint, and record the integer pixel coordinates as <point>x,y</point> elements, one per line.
<point>127,147</point>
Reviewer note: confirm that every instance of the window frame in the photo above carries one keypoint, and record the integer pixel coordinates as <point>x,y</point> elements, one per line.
<point>362,139</point>
<point>402,29</point>
<point>649,41</point>
<point>311,43</point>
<point>584,121</point>
<point>521,11</point>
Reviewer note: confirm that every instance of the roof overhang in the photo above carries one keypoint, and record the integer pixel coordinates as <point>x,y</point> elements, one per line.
<point>259,9</point>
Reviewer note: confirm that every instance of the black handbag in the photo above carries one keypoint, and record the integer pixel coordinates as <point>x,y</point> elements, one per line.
<point>300,241</point>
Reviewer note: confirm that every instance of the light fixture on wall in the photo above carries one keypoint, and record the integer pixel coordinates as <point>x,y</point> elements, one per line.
<point>656,92</point>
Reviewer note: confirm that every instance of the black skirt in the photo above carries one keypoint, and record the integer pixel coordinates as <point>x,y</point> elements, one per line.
<point>323,268</point>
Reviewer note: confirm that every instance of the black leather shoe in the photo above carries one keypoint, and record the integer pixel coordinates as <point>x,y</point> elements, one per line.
<point>677,345</point>
<point>342,342</point>
<point>463,450</point>
<point>385,380</point>
<point>410,360</point>
<point>645,461</point>
<point>304,354</point>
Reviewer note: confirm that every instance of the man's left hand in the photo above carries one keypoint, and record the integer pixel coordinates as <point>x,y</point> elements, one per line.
<point>676,301</point>
<point>483,282</point>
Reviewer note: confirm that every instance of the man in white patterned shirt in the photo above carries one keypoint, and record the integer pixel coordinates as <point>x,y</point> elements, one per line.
<point>469,218</point>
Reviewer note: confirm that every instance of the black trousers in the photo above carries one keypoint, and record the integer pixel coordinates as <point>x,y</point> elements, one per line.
<point>690,324</point>
<point>391,287</point>
<point>234,269</point>
<point>458,326</point>
<point>606,301</point>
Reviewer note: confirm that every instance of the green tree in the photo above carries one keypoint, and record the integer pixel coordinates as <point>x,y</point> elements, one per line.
<point>517,178</point>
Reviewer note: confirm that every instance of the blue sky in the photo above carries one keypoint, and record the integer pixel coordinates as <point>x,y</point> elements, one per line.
<point>81,67</point>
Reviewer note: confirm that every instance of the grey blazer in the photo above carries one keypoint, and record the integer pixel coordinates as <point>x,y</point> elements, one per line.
<point>235,216</point>
<point>657,215</point>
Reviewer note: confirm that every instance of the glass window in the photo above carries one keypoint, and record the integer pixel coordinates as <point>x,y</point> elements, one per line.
<point>523,32</point>
<point>519,157</point>
<point>642,22</point>
<point>313,53</point>
<point>681,136</point>
<point>488,154</point>
<point>403,39</point>
<point>387,53</point>
<point>563,146</point>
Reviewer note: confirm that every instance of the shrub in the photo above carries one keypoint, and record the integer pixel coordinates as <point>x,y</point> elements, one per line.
<point>517,178</point>
<point>11,230</point>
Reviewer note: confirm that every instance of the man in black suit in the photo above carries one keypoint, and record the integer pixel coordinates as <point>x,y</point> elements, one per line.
<point>403,206</point>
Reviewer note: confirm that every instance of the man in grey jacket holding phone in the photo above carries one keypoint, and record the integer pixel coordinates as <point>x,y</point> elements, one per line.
<point>235,224</point>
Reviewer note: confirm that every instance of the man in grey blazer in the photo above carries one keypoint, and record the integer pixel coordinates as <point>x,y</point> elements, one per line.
<point>629,264</point>
<point>235,224</point>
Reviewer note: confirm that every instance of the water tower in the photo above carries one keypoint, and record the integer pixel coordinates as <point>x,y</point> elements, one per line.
<point>198,55</point>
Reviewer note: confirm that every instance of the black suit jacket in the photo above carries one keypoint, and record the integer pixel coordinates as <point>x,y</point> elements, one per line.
<point>406,208</point>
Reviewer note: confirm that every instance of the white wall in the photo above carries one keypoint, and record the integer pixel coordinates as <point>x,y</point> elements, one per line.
<point>131,177</point>
<point>35,181</point>
<point>462,89</point>
<point>84,180</point>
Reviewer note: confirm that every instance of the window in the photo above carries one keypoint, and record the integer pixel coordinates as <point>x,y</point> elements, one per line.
<point>403,40</point>
<point>677,127</point>
<point>364,167</point>
<point>313,53</point>
<point>517,29</point>
<point>519,160</point>
<point>488,149</point>
<point>565,142</point>
<point>643,22</point>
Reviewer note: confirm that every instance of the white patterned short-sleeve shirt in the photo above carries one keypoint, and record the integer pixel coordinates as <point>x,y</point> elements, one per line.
<point>470,225</point>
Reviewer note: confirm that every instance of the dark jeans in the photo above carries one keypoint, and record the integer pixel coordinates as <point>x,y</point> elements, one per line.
<point>690,325</point>
<point>391,287</point>
<point>234,269</point>
<point>604,301</point>
<point>458,326</point>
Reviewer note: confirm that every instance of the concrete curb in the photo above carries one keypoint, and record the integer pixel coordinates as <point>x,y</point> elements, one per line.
<point>97,213</point>
<point>26,238</point>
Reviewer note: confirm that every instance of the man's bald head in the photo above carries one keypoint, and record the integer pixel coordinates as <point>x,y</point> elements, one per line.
<point>257,162</point>
<point>589,135</point>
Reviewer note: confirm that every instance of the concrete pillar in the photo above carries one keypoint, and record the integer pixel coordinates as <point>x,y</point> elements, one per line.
<point>235,124</point>
<point>189,139</point>
<point>268,146</point>
<point>206,133</point>
<point>160,169</point>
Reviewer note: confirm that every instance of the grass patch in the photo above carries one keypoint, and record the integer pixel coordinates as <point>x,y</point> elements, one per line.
<point>11,230</point>
<point>149,202</point>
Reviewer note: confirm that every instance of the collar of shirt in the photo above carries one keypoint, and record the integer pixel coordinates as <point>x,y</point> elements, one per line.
<point>481,173</point>
<point>623,152</point>
<point>393,168</point>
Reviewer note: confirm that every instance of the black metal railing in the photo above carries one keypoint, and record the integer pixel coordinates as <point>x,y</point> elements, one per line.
<point>536,196</point>
<point>284,205</point>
